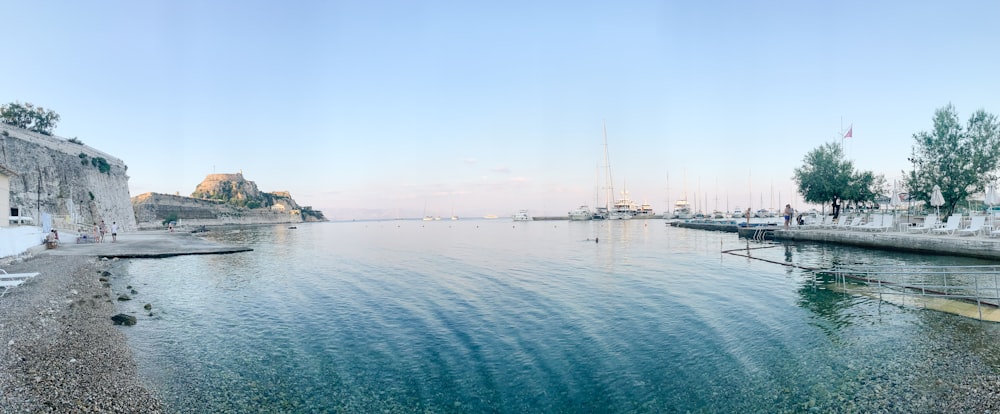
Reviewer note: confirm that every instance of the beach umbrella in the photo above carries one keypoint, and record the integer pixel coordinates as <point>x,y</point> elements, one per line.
<point>991,199</point>
<point>894,201</point>
<point>937,200</point>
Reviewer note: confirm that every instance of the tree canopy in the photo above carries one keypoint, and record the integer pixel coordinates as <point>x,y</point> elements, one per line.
<point>961,161</point>
<point>29,117</point>
<point>825,174</point>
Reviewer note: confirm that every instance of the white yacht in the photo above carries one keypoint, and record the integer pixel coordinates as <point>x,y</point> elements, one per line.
<point>522,216</point>
<point>623,209</point>
<point>682,209</point>
<point>581,214</point>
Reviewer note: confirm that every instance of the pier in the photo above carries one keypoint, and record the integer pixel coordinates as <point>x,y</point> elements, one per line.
<point>969,246</point>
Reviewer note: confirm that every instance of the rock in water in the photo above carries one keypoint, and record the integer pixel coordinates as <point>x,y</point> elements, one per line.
<point>123,319</point>
<point>123,297</point>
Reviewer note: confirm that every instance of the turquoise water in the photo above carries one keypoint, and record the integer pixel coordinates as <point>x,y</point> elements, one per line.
<point>496,316</point>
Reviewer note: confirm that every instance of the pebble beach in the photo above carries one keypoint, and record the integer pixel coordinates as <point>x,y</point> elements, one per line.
<point>59,350</point>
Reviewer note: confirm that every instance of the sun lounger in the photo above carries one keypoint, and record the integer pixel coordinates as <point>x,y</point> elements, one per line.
<point>847,221</point>
<point>840,222</point>
<point>874,223</point>
<point>9,281</point>
<point>976,224</point>
<point>855,222</point>
<point>930,223</point>
<point>825,222</point>
<point>887,222</point>
<point>949,226</point>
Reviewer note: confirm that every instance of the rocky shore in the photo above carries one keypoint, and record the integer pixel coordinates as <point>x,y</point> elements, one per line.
<point>59,350</point>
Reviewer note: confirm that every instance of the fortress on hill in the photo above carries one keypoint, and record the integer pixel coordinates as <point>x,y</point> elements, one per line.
<point>221,199</point>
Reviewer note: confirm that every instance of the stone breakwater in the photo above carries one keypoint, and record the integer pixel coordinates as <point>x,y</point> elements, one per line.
<point>59,350</point>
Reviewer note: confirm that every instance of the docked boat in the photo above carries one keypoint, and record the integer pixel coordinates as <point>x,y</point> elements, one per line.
<point>601,213</point>
<point>522,216</point>
<point>582,213</point>
<point>682,209</point>
<point>623,208</point>
<point>645,211</point>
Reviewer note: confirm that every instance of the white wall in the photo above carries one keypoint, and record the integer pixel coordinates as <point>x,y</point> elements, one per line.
<point>15,240</point>
<point>4,199</point>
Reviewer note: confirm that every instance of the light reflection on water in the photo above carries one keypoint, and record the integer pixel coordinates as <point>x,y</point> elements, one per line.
<point>477,315</point>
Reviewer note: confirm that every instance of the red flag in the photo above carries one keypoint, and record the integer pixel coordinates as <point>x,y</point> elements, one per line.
<point>850,132</point>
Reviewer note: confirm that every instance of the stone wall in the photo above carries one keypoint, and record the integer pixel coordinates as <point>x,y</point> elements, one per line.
<point>59,178</point>
<point>151,209</point>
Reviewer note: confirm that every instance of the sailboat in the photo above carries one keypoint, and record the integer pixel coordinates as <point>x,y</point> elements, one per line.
<point>624,208</point>
<point>682,208</point>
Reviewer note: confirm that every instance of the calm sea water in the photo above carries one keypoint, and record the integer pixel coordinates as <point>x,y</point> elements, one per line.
<point>496,316</point>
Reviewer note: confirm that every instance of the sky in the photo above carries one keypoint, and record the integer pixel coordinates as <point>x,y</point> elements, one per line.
<point>368,109</point>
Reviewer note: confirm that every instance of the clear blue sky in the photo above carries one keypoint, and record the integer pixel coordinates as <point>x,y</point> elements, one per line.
<point>490,107</point>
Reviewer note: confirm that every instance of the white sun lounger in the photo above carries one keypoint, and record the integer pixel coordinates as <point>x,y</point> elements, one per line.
<point>976,224</point>
<point>873,224</point>
<point>9,281</point>
<point>930,223</point>
<point>950,226</point>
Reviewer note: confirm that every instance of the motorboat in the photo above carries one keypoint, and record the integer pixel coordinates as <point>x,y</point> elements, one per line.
<point>581,214</point>
<point>682,209</point>
<point>522,216</point>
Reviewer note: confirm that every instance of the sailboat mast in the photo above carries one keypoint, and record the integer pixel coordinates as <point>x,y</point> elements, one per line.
<point>609,186</point>
<point>597,187</point>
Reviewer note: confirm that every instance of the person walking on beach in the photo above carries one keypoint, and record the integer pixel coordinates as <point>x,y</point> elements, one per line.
<point>788,215</point>
<point>114,231</point>
<point>104,230</point>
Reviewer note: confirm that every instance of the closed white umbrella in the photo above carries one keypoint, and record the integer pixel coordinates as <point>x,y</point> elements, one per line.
<point>937,200</point>
<point>895,202</point>
<point>991,198</point>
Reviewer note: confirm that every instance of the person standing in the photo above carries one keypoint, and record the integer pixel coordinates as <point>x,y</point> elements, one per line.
<point>114,231</point>
<point>836,207</point>
<point>788,215</point>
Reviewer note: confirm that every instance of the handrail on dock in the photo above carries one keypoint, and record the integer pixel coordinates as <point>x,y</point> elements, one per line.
<point>979,285</point>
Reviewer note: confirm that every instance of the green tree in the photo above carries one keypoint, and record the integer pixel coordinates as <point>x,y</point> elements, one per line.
<point>825,174</point>
<point>865,188</point>
<point>29,117</point>
<point>960,161</point>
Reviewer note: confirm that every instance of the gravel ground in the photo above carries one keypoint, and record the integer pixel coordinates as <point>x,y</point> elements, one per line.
<point>59,350</point>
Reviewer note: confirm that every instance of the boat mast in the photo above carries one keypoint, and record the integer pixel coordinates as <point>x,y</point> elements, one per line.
<point>597,187</point>
<point>609,186</point>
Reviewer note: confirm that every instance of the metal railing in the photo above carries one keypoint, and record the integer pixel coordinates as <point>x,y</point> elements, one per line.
<point>979,285</point>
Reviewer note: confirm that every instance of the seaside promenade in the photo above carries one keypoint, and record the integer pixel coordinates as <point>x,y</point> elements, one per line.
<point>979,245</point>
<point>898,238</point>
<point>144,245</point>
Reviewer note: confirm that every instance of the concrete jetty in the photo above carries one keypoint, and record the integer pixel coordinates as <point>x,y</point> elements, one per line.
<point>143,244</point>
<point>953,245</point>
